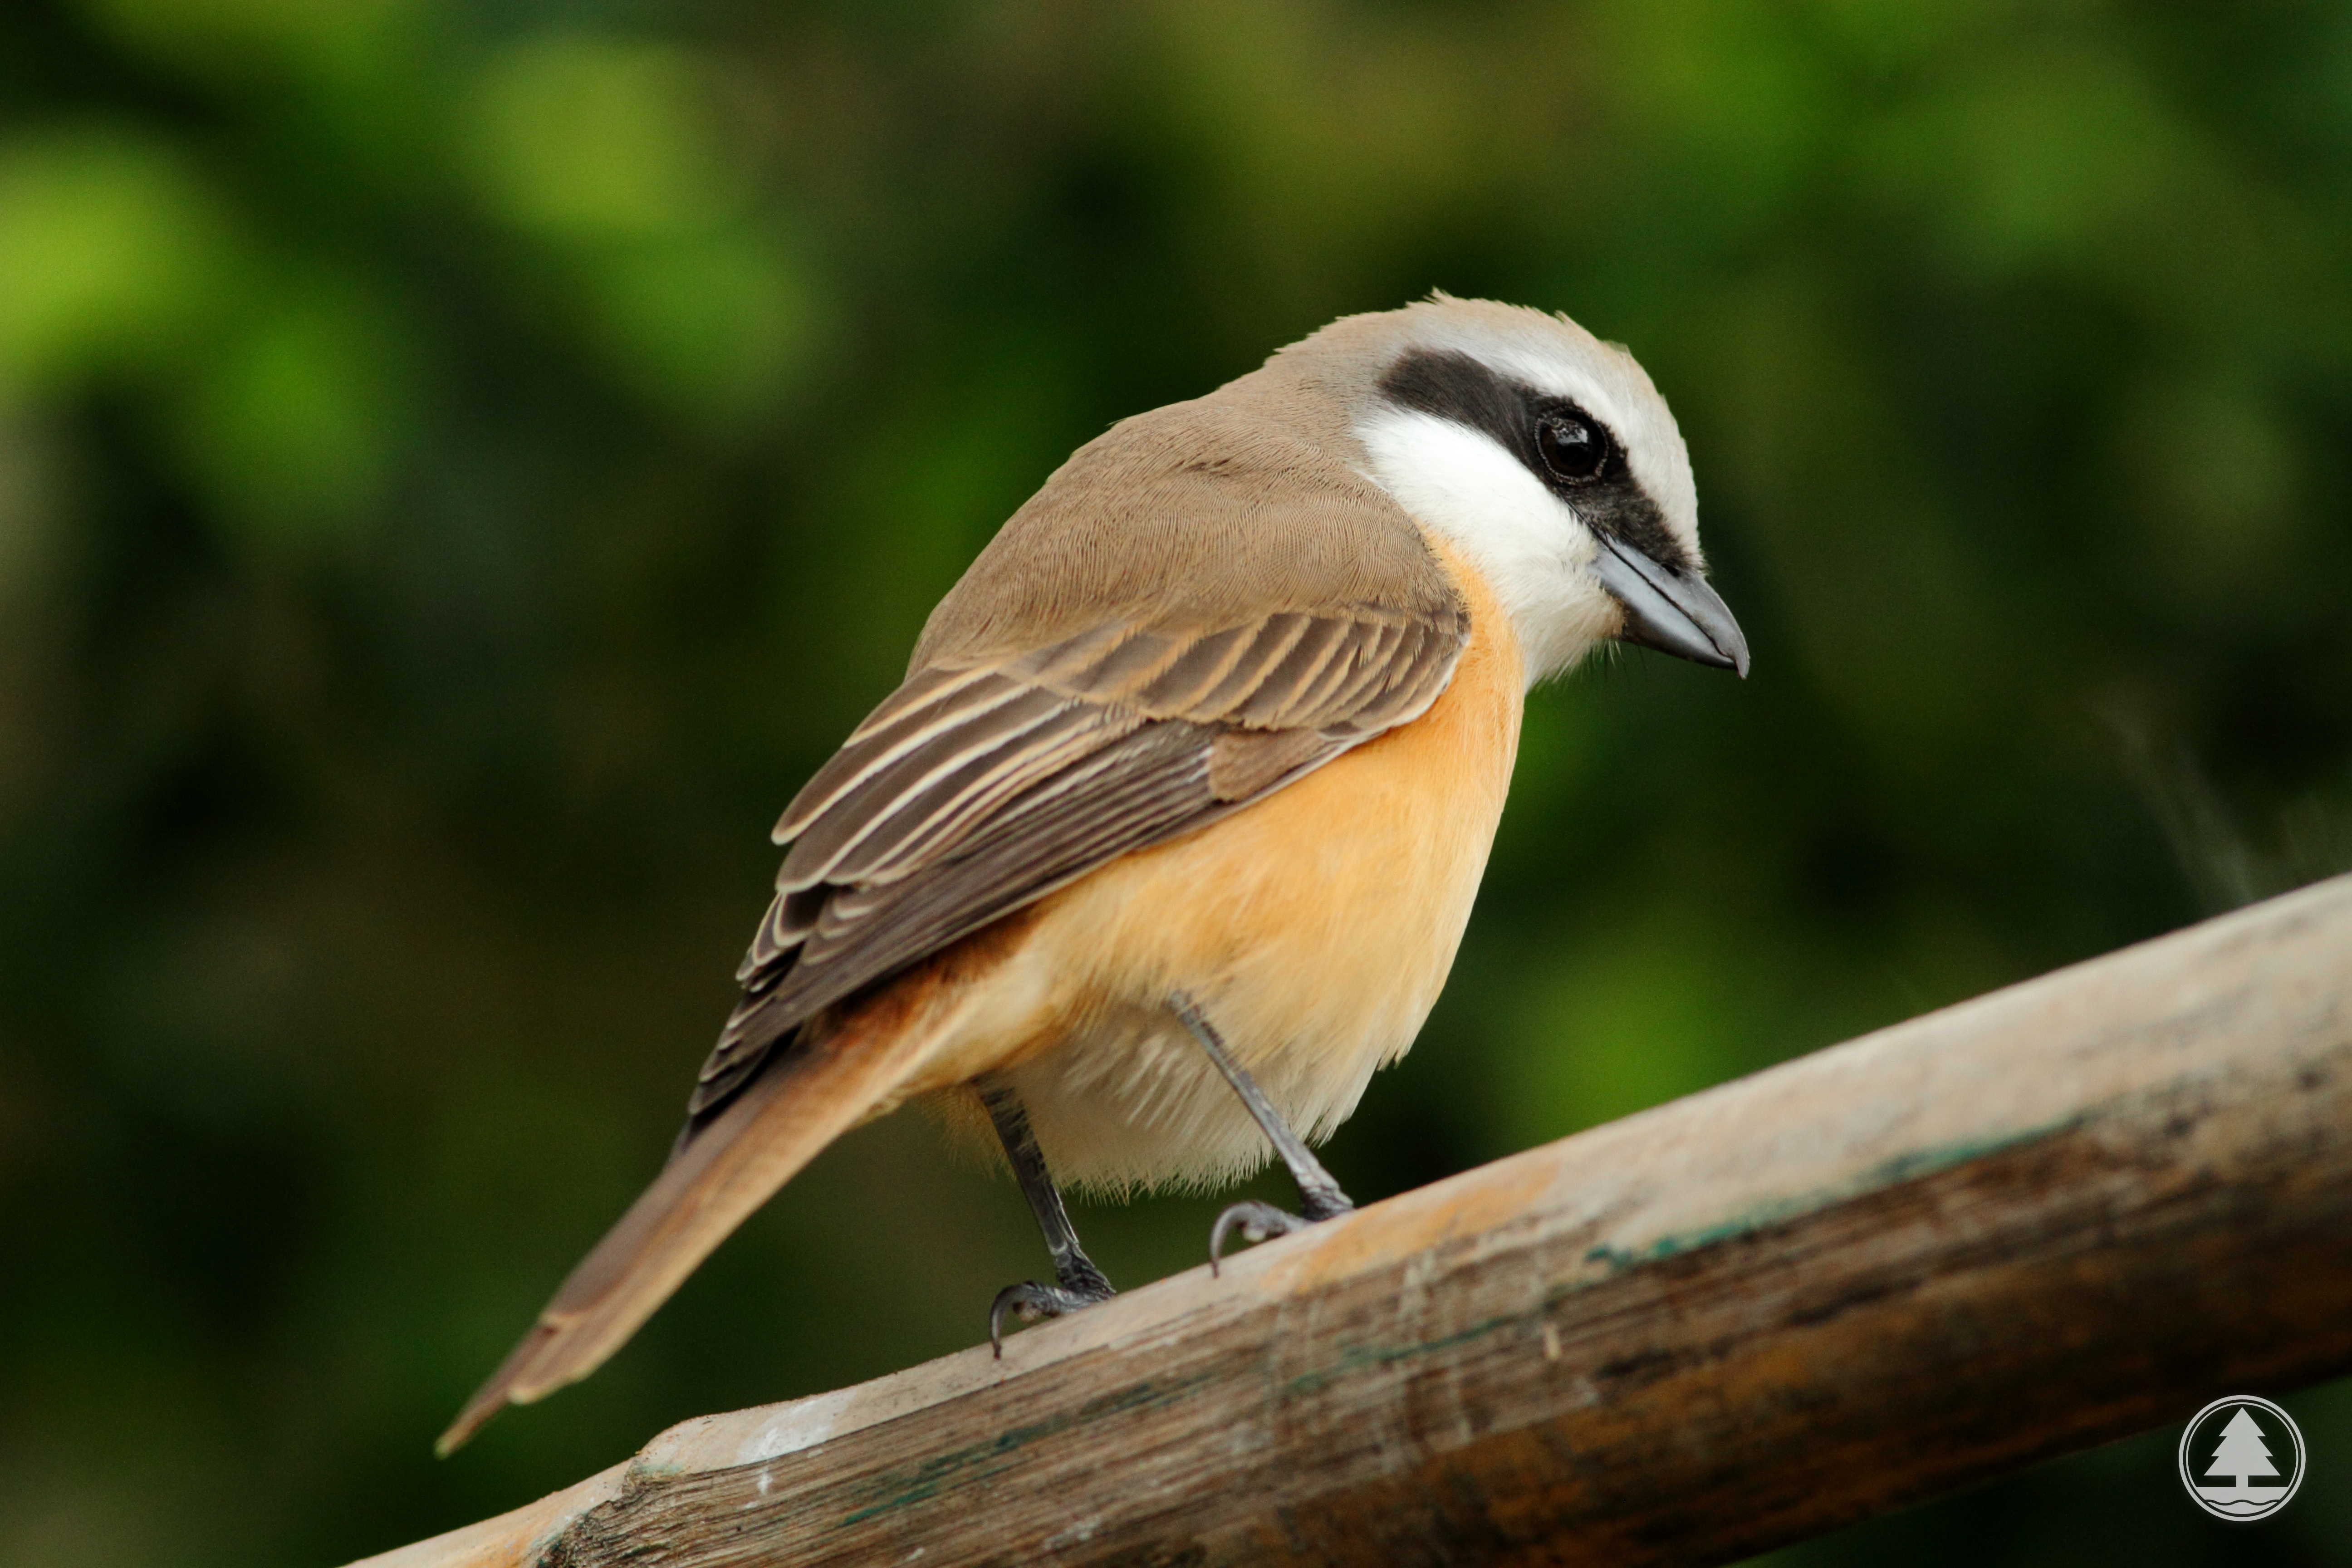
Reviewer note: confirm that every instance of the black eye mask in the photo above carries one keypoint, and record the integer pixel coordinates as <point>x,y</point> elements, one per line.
<point>1576,457</point>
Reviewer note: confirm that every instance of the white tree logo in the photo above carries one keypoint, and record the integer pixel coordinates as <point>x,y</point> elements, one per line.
<point>2227,1463</point>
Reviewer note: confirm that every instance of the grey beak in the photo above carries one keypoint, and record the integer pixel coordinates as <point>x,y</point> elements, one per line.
<point>1667,611</point>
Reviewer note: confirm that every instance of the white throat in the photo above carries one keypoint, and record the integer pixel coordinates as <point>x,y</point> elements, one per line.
<point>1522,539</point>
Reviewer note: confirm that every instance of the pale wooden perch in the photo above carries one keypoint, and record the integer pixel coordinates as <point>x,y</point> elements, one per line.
<point>2068,1211</point>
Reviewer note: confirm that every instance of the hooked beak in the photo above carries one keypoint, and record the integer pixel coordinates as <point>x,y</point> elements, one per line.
<point>1667,611</point>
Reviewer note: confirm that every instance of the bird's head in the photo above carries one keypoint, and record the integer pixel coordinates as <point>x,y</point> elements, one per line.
<point>1547,458</point>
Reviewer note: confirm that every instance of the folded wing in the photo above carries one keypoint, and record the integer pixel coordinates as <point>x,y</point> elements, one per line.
<point>974,790</point>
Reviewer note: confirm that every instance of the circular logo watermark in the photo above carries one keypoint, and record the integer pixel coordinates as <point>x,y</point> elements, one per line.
<point>2242,1458</point>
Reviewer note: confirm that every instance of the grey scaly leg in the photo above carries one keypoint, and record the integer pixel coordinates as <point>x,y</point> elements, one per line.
<point>1078,1282</point>
<point>1319,1197</point>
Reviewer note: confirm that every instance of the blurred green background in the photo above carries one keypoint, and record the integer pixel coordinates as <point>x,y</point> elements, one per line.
<point>463,465</point>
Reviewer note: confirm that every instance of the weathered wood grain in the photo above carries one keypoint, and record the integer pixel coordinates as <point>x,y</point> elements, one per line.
<point>2061,1213</point>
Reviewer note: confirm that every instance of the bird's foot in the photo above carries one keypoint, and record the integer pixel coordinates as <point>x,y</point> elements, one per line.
<point>1255,1221</point>
<point>1031,1302</point>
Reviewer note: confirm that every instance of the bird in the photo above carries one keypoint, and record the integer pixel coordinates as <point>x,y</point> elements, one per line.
<point>1169,839</point>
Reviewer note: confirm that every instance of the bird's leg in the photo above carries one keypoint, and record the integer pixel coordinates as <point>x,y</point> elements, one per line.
<point>1319,1197</point>
<point>1077,1282</point>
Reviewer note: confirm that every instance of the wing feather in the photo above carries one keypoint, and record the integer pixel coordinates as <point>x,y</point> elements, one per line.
<point>943,700</point>
<point>989,783</point>
<point>1275,704</point>
<point>1275,637</point>
<point>1184,685</point>
<point>1367,670</point>
<point>839,845</point>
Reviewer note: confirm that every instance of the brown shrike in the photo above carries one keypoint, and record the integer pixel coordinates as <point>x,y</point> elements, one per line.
<point>1168,837</point>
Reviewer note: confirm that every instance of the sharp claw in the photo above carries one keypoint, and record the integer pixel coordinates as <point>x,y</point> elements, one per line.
<point>1031,1302</point>
<point>1217,1244</point>
<point>1256,1222</point>
<point>1006,1298</point>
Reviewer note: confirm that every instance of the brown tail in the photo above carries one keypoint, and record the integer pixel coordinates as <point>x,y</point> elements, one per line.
<point>787,1114</point>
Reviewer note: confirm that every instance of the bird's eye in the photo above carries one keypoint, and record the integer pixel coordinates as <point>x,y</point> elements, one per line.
<point>1570,447</point>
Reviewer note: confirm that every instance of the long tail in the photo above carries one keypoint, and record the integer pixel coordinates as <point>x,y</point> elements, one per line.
<point>803,1101</point>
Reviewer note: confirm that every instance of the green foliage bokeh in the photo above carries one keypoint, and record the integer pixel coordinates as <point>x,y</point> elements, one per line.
<point>463,465</point>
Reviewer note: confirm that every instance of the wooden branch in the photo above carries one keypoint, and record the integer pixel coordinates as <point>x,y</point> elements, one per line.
<point>2068,1211</point>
